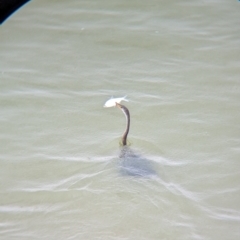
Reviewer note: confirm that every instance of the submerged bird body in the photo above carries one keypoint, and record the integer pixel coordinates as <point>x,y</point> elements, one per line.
<point>112,101</point>
<point>135,165</point>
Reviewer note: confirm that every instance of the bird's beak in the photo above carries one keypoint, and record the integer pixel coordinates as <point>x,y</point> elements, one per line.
<point>118,105</point>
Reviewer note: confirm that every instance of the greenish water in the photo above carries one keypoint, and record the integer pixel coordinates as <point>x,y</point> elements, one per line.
<point>60,174</point>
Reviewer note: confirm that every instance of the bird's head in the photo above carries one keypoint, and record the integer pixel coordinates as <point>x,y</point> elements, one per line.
<point>119,105</point>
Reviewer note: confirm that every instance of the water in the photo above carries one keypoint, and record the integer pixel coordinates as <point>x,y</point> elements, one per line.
<point>60,175</point>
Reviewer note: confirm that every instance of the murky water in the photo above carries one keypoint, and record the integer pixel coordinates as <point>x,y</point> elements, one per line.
<point>61,176</point>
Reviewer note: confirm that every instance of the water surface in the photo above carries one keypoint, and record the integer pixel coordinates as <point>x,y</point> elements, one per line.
<point>60,174</point>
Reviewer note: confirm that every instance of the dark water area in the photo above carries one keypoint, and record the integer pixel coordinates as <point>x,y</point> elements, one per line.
<point>133,164</point>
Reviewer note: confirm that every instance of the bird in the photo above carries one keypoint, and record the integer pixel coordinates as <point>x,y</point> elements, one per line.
<point>132,164</point>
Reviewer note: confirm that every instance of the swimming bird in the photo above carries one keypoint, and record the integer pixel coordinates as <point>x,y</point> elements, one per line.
<point>131,163</point>
<point>112,101</point>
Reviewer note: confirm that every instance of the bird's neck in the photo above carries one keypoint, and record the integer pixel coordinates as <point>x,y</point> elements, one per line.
<point>124,137</point>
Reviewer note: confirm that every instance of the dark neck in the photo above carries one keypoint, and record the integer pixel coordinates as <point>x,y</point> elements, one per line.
<point>124,137</point>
